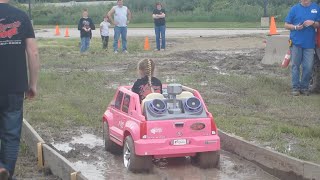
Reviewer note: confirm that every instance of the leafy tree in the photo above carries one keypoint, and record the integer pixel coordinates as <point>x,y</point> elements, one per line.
<point>182,5</point>
<point>177,10</point>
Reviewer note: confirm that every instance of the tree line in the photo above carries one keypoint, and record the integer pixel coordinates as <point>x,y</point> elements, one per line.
<point>205,5</point>
<point>177,10</point>
<point>182,5</point>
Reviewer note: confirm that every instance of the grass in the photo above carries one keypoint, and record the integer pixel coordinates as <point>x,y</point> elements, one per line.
<point>68,91</point>
<point>208,25</point>
<point>75,89</point>
<point>269,115</point>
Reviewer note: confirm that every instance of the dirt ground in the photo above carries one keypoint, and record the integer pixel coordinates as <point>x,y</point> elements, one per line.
<point>208,56</point>
<point>27,169</point>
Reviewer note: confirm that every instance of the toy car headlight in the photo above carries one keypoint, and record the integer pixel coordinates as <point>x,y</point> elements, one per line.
<point>158,106</point>
<point>193,104</point>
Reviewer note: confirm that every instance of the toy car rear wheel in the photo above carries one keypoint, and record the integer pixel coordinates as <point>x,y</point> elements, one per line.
<point>207,159</point>
<point>108,144</point>
<point>132,161</point>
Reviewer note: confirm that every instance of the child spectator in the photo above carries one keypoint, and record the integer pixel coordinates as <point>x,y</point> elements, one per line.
<point>85,27</point>
<point>104,31</point>
<point>147,83</point>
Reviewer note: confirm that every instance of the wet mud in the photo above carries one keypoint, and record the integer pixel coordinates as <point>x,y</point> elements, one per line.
<point>86,152</point>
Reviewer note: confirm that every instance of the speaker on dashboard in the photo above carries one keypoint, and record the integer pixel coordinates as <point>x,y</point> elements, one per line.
<point>193,105</point>
<point>158,106</point>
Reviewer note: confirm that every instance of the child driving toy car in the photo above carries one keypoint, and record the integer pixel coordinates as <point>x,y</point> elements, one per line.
<point>147,83</point>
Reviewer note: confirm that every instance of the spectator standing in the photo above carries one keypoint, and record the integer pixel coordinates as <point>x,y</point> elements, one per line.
<point>159,16</point>
<point>302,20</point>
<point>104,32</point>
<point>18,56</point>
<point>122,17</point>
<point>85,26</point>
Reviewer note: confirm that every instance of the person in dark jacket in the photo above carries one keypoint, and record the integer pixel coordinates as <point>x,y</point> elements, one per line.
<point>159,16</point>
<point>85,27</point>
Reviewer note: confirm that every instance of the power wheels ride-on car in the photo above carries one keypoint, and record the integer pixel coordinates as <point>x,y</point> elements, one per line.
<point>176,123</point>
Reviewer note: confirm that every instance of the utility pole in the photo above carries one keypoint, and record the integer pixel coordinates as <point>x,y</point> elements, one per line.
<point>265,21</point>
<point>265,5</point>
<point>30,17</point>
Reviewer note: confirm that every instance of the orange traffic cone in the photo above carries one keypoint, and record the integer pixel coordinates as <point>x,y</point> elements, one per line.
<point>273,27</point>
<point>67,32</point>
<point>119,44</point>
<point>57,31</point>
<point>146,44</point>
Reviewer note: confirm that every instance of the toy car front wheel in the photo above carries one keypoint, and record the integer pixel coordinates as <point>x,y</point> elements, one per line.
<point>132,161</point>
<point>207,159</point>
<point>108,144</point>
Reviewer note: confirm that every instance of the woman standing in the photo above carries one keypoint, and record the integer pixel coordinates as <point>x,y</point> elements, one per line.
<point>159,15</point>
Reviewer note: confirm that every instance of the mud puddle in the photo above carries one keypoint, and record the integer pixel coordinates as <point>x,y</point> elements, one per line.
<point>86,152</point>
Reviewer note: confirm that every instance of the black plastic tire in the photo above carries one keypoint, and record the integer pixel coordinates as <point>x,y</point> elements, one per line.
<point>207,159</point>
<point>134,162</point>
<point>109,145</point>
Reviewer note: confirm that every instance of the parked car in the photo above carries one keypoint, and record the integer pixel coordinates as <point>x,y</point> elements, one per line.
<point>176,123</point>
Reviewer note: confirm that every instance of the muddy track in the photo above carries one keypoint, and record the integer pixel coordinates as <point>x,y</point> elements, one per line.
<point>87,153</point>
<point>217,55</point>
<point>85,149</point>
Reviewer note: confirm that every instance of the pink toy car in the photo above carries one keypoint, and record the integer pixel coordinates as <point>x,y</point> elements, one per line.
<point>173,124</point>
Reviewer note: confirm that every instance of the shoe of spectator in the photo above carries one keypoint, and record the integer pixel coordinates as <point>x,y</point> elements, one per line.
<point>305,92</point>
<point>4,174</point>
<point>295,93</point>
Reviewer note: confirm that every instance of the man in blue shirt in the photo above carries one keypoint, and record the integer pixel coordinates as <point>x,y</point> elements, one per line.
<point>302,21</point>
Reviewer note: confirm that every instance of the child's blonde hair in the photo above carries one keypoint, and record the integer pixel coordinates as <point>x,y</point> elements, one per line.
<point>147,66</point>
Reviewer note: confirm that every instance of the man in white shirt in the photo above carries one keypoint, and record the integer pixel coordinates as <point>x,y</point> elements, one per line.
<point>122,17</point>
